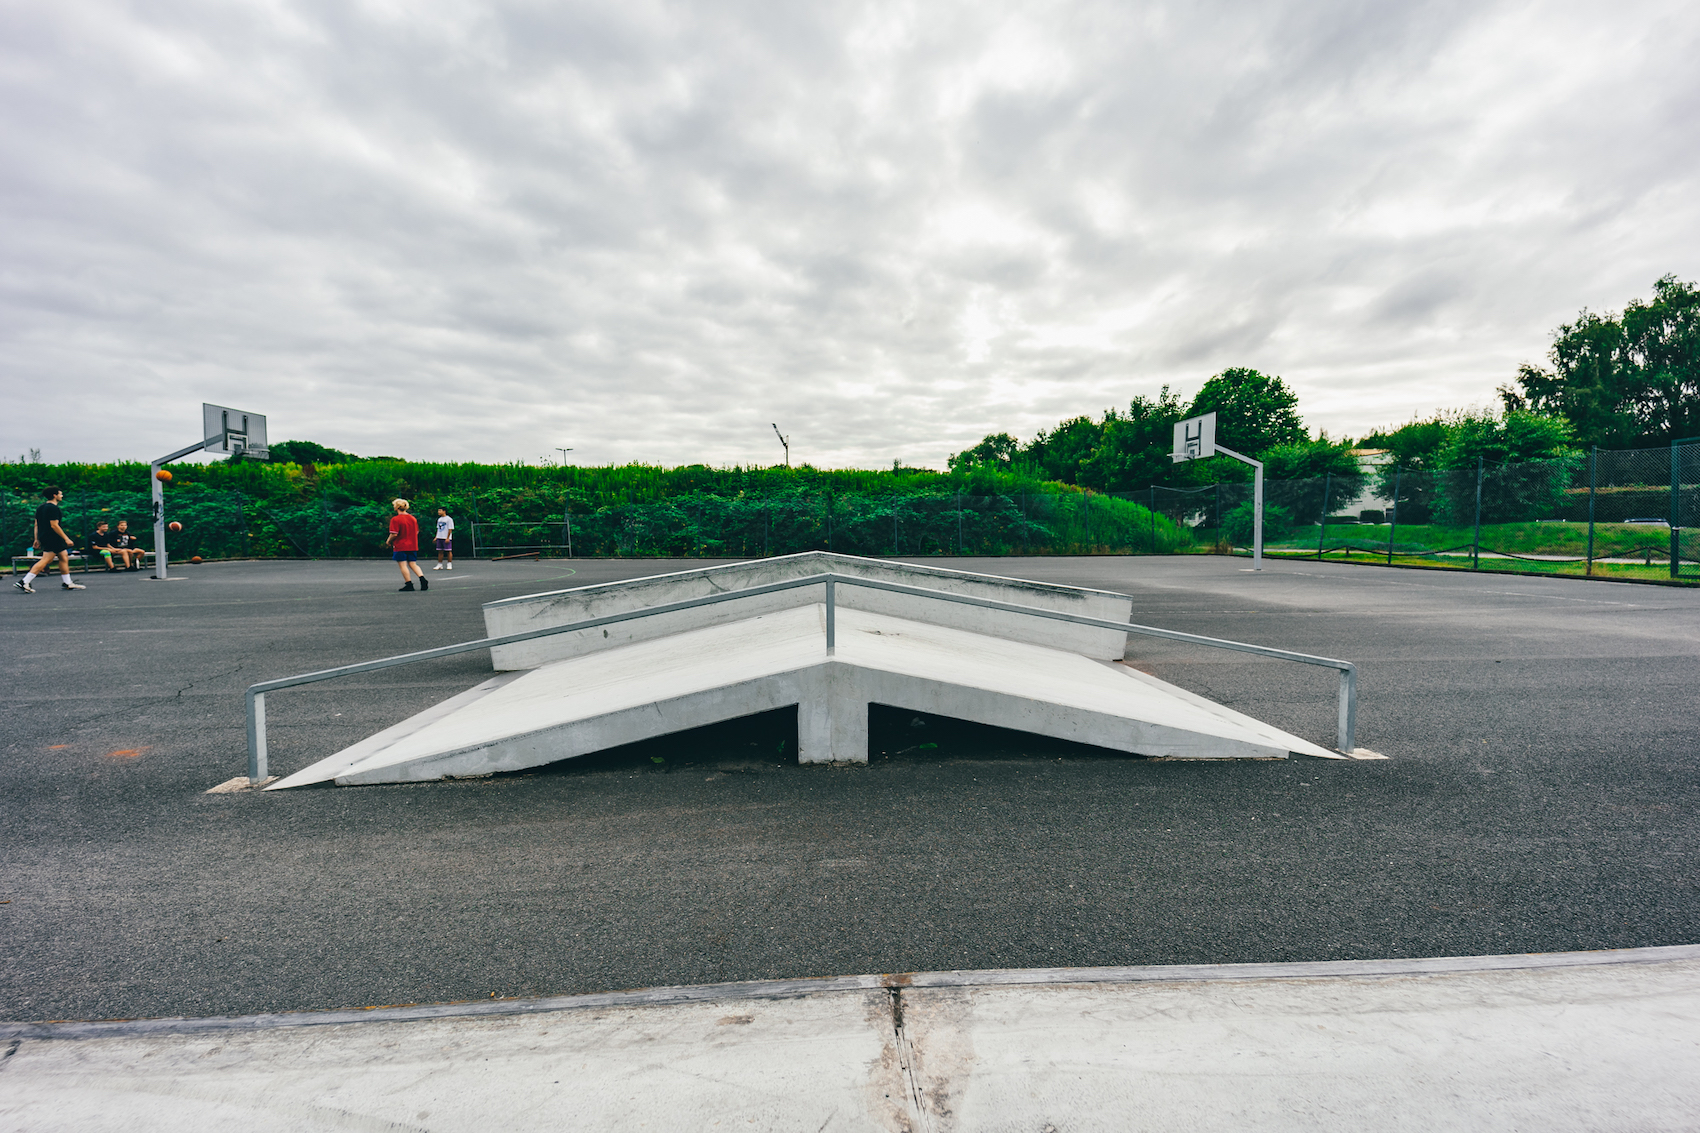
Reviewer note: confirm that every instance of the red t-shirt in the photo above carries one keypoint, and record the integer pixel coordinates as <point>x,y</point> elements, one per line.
<point>406,531</point>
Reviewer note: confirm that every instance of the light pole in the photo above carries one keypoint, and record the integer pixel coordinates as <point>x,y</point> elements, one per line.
<point>786,441</point>
<point>567,506</point>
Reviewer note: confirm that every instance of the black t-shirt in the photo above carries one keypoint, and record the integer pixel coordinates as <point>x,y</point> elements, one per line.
<point>101,539</point>
<point>123,539</point>
<point>46,538</point>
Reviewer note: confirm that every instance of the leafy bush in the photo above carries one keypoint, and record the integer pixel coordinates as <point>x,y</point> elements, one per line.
<point>1238,522</point>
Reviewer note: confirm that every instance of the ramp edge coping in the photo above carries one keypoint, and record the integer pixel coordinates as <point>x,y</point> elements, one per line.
<point>708,571</point>
<point>800,988</point>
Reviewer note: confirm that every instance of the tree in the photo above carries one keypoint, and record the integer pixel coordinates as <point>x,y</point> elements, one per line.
<point>1253,411</point>
<point>1304,477</point>
<point>1517,437</point>
<point>1409,479</point>
<point>1133,447</point>
<point>996,450</point>
<point>307,452</point>
<point>1526,461</point>
<point>1415,446</point>
<point>1059,454</point>
<point>1623,382</point>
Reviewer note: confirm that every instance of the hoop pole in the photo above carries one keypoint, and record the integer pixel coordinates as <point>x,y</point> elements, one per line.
<point>1256,505</point>
<point>158,492</point>
<point>1476,544</point>
<point>1593,479</point>
<point>1393,530</point>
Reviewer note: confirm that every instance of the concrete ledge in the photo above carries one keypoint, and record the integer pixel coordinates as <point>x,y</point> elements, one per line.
<point>535,611</point>
<point>1576,1041</point>
<point>792,989</point>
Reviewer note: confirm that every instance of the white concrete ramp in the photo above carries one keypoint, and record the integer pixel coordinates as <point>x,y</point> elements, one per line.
<point>650,688</point>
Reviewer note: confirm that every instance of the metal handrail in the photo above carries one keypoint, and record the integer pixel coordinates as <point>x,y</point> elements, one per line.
<point>256,695</point>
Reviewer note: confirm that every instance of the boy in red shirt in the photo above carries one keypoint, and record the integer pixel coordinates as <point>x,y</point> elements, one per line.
<point>404,545</point>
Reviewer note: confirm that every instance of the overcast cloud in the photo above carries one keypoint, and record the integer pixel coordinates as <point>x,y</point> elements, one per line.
<point>449,230</point>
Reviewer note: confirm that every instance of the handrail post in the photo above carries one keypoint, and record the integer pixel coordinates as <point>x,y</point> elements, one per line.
<point>256,736</point>
<point>831,627</point>
<point>1348,734</point>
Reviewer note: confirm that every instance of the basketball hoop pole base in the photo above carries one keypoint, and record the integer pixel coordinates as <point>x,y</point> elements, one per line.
<point>161,560</point>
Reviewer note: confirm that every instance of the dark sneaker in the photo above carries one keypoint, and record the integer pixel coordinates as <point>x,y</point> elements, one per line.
<point>424,583</point>
<point>72,586</point>
<point>24,585</point>
<point>408,586</point>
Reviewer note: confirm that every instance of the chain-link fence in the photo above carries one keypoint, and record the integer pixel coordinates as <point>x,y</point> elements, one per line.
<point>1602,507</point>
<point>1615,507</point>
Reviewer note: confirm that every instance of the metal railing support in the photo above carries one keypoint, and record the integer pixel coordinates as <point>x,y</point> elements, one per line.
<point>1346,738</point>
<point>831,618</point>
<point>256,736</point>
<point>1346,735</point>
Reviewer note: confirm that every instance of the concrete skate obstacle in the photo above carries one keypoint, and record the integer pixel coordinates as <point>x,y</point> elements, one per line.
<point>591,668</point>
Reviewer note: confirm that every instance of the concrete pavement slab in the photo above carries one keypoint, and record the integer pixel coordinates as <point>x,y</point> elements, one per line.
<point>1566,1042</point>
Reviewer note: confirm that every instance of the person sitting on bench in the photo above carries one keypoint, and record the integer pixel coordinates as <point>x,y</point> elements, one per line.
<point>101,542</point>
<point>127,546</point>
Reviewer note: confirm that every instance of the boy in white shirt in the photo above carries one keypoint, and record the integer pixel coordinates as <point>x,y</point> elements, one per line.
<point>445,540</point>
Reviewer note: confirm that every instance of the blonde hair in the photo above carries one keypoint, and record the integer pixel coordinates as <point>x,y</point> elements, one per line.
<point>402,504</point>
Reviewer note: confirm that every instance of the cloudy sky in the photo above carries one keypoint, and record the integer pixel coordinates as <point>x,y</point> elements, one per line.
<point>458,230</point>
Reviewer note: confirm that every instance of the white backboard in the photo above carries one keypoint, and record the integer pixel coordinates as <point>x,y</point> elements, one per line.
<point>1195,438</point>
<point>237,430</point>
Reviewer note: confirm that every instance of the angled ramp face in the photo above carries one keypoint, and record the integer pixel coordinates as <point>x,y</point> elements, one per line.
<point>704,676</point>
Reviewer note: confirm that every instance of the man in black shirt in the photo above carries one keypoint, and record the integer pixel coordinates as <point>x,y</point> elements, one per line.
<point>52,542</point>
<point>101,542</point>
<point>128,546</point>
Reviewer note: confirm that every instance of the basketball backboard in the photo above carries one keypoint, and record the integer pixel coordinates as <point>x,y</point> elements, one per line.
<point>236,429</point>
<point>1195,438</point>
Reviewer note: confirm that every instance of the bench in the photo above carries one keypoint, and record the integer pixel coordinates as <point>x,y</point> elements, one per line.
<point>77,557</point>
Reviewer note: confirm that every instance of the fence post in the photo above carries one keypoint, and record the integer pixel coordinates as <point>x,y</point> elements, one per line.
<point>1476,545</point>
<point>1219,512</point>
<point>959,521</point>
<point>1322,520</point>
<point>1393,523</point>
<point>1593,479</point>
<point>1086,512</point>
<point>1677,516</point>
<point>1153,519</point>
<point>829,523</point>
<point>895,544</point>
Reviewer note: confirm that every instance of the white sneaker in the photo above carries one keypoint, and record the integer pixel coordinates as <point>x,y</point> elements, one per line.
<point>451,566</point>
<point>72,586</point>
<point>439,566</point>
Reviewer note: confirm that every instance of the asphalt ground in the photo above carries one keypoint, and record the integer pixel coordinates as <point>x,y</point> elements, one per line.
<point>1539,795</point>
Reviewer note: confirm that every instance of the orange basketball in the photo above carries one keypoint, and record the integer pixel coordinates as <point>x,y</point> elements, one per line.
<point>175,526</point>
<point>196,559</point>
<point>164,475</point>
